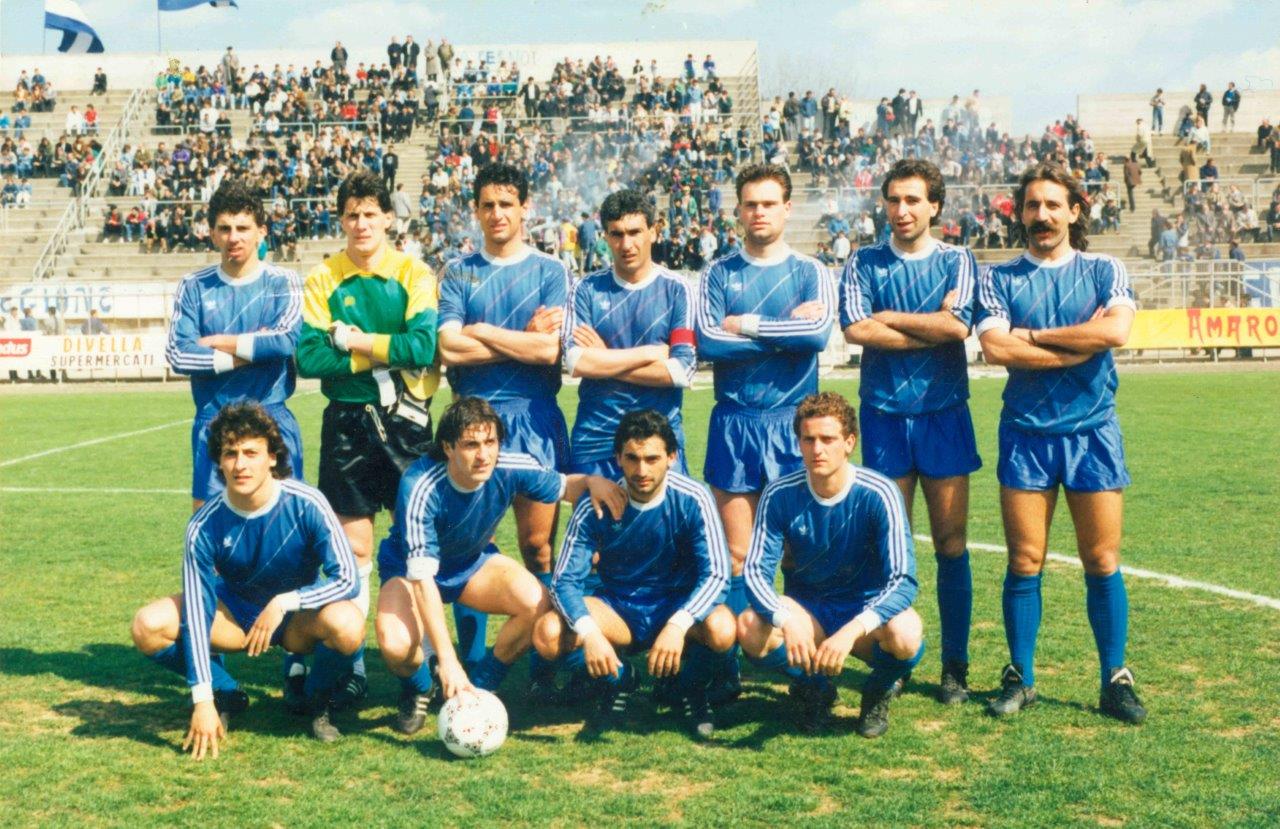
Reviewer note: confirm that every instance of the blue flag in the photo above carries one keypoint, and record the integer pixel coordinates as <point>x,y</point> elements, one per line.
<point>181,5</point>
<point>66,17</point>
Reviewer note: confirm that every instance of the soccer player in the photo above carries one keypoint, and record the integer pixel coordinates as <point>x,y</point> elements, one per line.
<point>234,329</point>
<point>266,563</point>
<point>908,302</point>
<point>764,315</point>
<point>1051,316</point>
<point>849,572</point>
<point>663,572</point>
<point>501,309</point>
<point>369,333</point>
<point>628,333</point>
<point>450,503</point>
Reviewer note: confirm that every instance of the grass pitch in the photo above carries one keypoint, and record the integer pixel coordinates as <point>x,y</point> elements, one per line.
<point>89,729</point>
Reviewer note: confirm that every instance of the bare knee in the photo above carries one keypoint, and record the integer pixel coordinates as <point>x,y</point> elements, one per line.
<point>149,629</point>
<point>902,635</point>
<point>531,597</point>
<point>1101,562</point>
<point>752,633</point>
<point>394,639</point>
<point>346,627</point>
<point>720,630</point>
<point>547,632</point>
<point>1026,560</point>
<point>950,541</point>
<point>535,549</point>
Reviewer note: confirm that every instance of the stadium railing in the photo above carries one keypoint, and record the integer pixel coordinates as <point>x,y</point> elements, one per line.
<point>1256,189</point>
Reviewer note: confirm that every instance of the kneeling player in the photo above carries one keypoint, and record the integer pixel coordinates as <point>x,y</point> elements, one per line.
<point>266,563</point>
<point>664,573</point>
<point>449,506</point>
<point>849,575</point>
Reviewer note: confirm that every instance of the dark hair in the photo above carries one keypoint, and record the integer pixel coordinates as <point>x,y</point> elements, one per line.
<point>926,171</point>
<point>762,172</point>
<point>643,425</point>
<point>240,421</point>
<point>502,175</point>
<point>234,196</point>
<point>1049,171</point>
<point>463,414</point>
<point>364,184</point>
<point>626,203</point>
<point>827,404</point>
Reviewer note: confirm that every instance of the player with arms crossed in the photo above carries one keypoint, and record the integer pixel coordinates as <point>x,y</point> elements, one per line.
<point>663,572</point>
<point>369,333</point>
<point>628,334</point>
<point>234,330</point>
<point>908,302</point>
<point>764,315</point>
<point>501,310</point>
<point>1052,316</point>
<point>450,503</point>
<point>266,563</point>
<point>849,572</point>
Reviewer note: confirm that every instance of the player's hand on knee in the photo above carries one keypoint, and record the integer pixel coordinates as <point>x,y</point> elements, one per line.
<point>797,634</point>
<point>664,656</point>
<point>831,654</point>
<point>601,658</point>
<point>453,678</point>
<point>606,494</point>
<point>264,627</point>
<point>205,731</point>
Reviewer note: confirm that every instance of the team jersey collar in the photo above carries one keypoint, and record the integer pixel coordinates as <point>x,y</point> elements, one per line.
<point>929,248</point>
<point>260,511</point>
<point>654,270</point>
<point>502,261</point>
<point>383,264</point>
<point>249,279</point>
<point>457,487</point>
<point>1045,263</point>
<point>776,259</point>
<point>839,496</point>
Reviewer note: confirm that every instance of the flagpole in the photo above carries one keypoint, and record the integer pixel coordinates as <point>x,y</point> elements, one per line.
<point>159,39</point>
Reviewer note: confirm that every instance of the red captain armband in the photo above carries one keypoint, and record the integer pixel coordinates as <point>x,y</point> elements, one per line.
<point>682,336</point>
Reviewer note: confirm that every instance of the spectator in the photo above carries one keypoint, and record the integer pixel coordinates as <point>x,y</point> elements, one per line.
<point>93,325</point>
<point>1200,135</point>
<point>1203,101</point>
<point>99,82</point>
<point>1230,103</point>
<point>1208,173</point>
<point>1132,177</point>
<point>1157,112</point>
<point>1142,143</point>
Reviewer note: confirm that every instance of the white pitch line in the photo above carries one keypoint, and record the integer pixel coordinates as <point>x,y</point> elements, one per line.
<point>93,442</point>
<point>1138,572</point>
<point>54,490</point>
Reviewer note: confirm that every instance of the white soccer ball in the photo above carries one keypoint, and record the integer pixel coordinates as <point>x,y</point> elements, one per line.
<point>473,724</point>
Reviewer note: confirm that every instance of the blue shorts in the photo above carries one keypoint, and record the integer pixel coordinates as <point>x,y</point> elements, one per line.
<point>608,468</point>
<point>1089,461</point>
<point>645,617</point>
<point>245,612</point>
<point>831,614</point>
<point>205,483</point>
<point>748,448</point>
<point>935,444</point>
<point>537,428</point>
<point>392,564</point>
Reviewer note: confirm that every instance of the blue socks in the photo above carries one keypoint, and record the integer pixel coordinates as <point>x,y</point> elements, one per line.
<point>696,666</point>
<point>472,626</point>
<point>776,660</point>
<point>419,682</point>
<point>539,668</point>
<point>955,605</point>
<point>490,672</point>
<point>887,669</point>
<point>326,666</point>
<point>357,662</point>
<point>175,660</point>
<point>1022,608</point>
<point>1107,603</point>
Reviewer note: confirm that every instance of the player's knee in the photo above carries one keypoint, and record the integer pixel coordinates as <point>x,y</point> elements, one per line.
<point>1026,560</point>
<point>394,640</point>
<point>751,633</point>
<point>1100,562</point>
<point>147,629</point>
<point>547,632</point>
<point>530,597</point>
<point>903,634</point>
<point>950,541</point>
<point>346,626</point>
<point>721,629</point>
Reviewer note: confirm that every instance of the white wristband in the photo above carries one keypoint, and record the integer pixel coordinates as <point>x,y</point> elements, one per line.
<point>750,325</point>
<point>339,334</point>
<point>223,362</point>
<point>422,568</point>
<point>681,619</point>
<point>586,626</point>
<point>290,601</point>
<point>780,617</point>
<point>201,693</point>
<point>244,347</point>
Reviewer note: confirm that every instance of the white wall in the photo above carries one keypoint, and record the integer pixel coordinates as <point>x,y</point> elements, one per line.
<point>1104,115</point>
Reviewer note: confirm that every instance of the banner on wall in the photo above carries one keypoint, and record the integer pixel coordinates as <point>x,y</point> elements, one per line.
<point>112,300</point>
<point>1206,328</point>
<point>107,352</point>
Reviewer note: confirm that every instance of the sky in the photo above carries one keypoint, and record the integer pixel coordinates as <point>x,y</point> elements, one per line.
<point>1040,53</point>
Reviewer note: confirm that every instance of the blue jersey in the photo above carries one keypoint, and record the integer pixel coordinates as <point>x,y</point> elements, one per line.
<point>656,311</point>
<point>445,528</point>
<point>774,362</point>
<point>294,544</point>
<point>1026,293</point>
<point>673,545</point>
<point>855,545</point>
<point>881,278</point>
<point>265,312</point>
<point>505,293</point>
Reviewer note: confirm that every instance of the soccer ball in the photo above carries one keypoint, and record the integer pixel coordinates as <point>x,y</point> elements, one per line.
<point>473,724</point>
